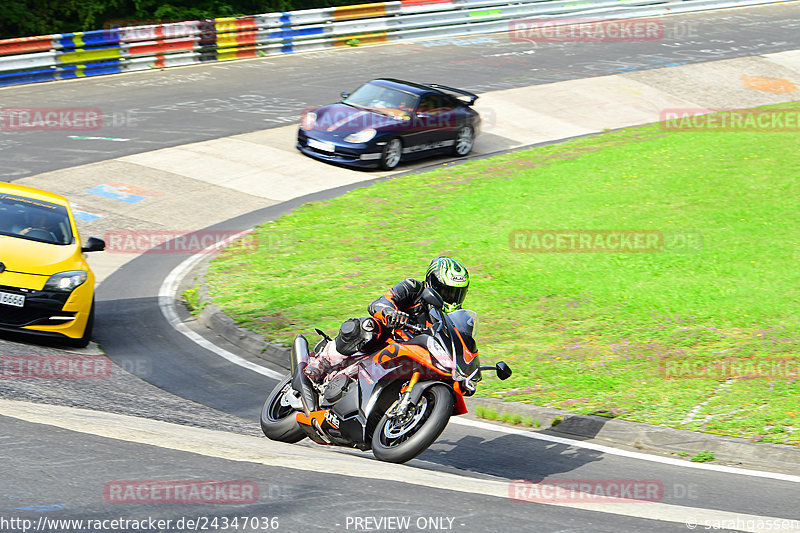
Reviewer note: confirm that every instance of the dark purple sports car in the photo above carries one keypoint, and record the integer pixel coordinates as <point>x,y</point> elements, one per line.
<point>385,121</point>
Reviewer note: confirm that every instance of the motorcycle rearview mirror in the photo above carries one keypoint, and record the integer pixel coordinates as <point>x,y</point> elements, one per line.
<point>322,334</point>
<point>431,297</point>
<point>503,370</point>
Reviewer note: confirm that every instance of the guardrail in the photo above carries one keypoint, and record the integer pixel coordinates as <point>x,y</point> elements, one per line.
<point>127,49</point>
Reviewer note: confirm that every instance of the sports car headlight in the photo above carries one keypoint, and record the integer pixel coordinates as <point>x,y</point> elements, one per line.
<point>308,120</point>
<point>362,136</point>
<point>66,281</point>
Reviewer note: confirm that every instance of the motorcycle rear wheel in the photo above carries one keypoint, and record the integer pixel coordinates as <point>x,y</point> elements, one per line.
<point>397,442</point>
<point>278,419</point>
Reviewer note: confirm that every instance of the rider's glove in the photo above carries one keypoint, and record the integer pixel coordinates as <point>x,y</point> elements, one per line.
<point>395,318</point>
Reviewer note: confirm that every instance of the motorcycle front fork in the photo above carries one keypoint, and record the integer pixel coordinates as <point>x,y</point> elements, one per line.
<point>402,407</point>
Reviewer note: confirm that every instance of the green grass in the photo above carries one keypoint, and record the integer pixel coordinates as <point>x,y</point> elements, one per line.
<point>486,412</point>
<point>192,298</point>
<point>511,418</point>
<point>587,332</point>
<point>703,457</point>
<point>516,419</point>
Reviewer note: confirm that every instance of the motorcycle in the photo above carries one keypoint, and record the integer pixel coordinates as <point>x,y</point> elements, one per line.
<point>395,401</point>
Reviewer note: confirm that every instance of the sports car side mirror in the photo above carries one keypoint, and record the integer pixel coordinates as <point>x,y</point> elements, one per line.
<point>345,95</point>
<point>93,244</point>
<point>431,297</point>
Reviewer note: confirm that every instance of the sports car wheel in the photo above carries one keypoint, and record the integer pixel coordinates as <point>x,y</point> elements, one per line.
<point>464,141</point>
<point>392,153</point>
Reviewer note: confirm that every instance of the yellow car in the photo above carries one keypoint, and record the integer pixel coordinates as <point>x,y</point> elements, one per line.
<point>46,285</point>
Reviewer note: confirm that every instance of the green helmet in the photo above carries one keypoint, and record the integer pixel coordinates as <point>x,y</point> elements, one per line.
<point>450,279</point>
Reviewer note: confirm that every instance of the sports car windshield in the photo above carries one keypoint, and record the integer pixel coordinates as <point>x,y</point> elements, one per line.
<point>35,220</point>
<point>381,99</point>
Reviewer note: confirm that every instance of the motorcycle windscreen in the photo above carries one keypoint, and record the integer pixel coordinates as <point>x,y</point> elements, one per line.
<point>463,325</point>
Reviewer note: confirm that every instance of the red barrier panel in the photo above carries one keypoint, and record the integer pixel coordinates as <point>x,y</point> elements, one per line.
<point>162,47</point>
<point>22,45</point>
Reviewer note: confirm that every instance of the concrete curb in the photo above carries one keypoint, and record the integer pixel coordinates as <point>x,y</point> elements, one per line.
<point>728,450</point>
<point>644,437</point>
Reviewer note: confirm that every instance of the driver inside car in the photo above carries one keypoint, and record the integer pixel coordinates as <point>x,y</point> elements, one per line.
<point>39,223</point>
<point>401,305</point>
<point>395,100</point>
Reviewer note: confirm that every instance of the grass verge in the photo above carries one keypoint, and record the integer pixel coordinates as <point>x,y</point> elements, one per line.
<point>701,335</point>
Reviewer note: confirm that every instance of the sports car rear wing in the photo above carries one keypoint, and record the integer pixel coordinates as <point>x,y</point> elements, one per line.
<point>465,96</point>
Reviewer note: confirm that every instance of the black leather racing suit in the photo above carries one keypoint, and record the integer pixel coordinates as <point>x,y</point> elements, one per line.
<point>364,334</point>
<point>405,297</point>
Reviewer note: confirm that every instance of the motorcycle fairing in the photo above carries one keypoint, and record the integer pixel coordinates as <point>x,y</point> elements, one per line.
<point>307,425</point>
<point>459,406</point>
<point>414,349</point>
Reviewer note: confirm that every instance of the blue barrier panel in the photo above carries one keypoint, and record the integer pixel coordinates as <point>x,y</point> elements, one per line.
<point>291,34</point>
<point>28,76</point>
<point>68,72</point>
<point>89,38</point>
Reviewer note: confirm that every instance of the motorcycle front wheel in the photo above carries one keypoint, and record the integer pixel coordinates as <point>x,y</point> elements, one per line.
<point>278,419</point>
<point>399,440</point>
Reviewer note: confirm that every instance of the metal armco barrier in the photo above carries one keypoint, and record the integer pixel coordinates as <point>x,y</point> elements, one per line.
<point>127,49</point>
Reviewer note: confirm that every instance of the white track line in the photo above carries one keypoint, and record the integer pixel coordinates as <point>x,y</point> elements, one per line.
<point>166,301</point>
<point>624,453</point>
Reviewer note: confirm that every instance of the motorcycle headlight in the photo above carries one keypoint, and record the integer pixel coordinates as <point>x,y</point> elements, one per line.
<point>362,136</point>
<point>66,281</point>
<point>308,120</point>
<point>441,358</point>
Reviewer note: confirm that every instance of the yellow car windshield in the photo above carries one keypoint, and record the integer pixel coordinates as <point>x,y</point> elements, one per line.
<point>33,219</point>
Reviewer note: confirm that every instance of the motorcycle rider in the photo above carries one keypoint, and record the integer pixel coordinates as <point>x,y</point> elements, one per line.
<point>400,305</point>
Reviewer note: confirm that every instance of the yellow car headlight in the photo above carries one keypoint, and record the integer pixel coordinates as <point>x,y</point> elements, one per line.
<point>66,281</point>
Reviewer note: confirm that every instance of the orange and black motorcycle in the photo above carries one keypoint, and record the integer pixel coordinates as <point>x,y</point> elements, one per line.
<point>395,401</point>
